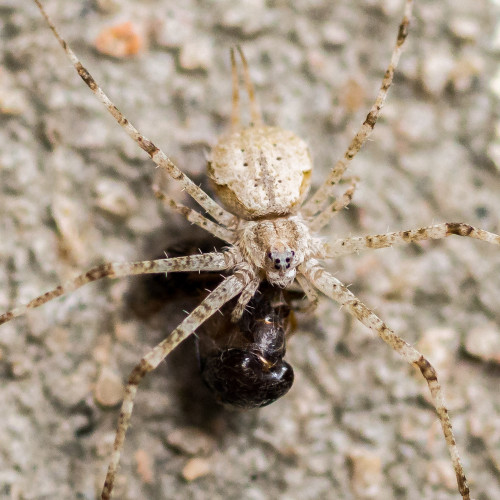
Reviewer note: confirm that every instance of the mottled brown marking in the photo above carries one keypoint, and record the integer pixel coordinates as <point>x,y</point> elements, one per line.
<point>463,487</point>
<point>143,267</point>
<point>403,31</point>
<point>458,228</point>
<point>86,77</point>
<point>371,118</point>
<point>139,372</point>
<point>106,492</point>
<point>389,75</point>
<point>99,272</point>
<point>427,369</point>
<point>6,317</point>
<point>147,145</point>
<point>183,210</point>
<point>177,175</point>
<point>46,297</point>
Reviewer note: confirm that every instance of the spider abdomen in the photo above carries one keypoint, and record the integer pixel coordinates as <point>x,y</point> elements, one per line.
<point>261,171</point>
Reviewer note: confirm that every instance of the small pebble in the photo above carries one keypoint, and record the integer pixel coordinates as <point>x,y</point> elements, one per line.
<point>108,390</point>
<point>366,473</point>
<point>121,40</point>
<point>465,29</point>
<point>144,466</point>
<point>191,441</point>
<point>196,55</point>
<point>115,198</point>
<point>440,472</point>
<point>484,343</point>
<point>196,468</point>
<point>20,366</point>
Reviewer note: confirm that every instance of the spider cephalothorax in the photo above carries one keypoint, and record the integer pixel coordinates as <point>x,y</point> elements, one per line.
<point>274,248</point>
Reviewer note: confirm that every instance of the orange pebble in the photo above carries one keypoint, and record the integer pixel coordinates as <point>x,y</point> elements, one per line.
<point>121,40</point>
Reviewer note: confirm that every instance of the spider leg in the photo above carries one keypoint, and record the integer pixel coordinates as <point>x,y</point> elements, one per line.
<point>255,114</point>
<point>244,299</point>
<point>158,156</point>
<point>334,289</point>
<point>322,195</point>
<point>194,217</point>
<point>334,208</point>
<point>213,302</point>
<point>217,261</point>
<point>235,109</point>
<point>311,294</point>
<point>436,232</point>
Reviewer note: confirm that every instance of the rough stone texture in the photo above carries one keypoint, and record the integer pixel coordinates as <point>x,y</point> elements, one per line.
<point>75,192</point>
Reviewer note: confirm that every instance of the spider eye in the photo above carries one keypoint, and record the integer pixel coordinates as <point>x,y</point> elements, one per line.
<point>281,259</point>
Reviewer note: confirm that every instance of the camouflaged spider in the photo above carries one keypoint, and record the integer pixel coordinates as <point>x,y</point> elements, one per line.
<point>262,175</point>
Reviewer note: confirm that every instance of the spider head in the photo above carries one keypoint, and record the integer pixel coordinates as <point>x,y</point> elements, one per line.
<point>280,266</point>
<point>276,247</point>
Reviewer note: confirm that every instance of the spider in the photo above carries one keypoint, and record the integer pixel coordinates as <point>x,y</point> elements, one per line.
<point>281,253</point>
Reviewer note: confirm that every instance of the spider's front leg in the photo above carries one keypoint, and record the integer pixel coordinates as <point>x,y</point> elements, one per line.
<point>228,289</point>
<point>334,289</point>
<point>436,232</point>
<point>216,261</point>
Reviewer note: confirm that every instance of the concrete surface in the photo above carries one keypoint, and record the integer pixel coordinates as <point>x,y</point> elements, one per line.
<point>75,192</point>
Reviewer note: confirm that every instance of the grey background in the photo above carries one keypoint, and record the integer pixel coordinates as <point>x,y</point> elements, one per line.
<point>75,193</point>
